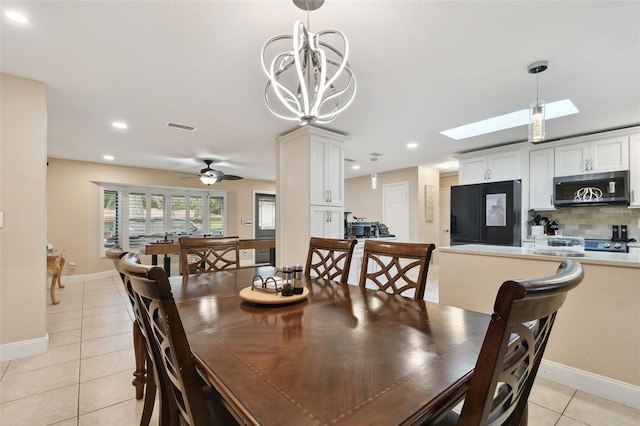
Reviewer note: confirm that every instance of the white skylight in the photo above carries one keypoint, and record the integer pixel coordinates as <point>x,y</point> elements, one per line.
<point>119,125</point>
<point>507,121</point>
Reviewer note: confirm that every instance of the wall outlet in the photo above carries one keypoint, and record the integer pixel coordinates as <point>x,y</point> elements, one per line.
<point>72,265</point>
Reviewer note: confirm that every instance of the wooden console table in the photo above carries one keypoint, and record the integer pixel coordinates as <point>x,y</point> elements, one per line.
<point>55,263</point>
<point>154,249</point>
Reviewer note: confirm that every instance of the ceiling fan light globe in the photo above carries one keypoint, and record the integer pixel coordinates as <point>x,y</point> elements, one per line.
<point>208,180</point>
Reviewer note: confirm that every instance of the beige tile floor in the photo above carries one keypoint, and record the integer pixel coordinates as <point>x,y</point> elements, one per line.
<point>84,378</point>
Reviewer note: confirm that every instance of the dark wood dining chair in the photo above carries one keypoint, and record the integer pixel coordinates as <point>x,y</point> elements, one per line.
<point>396,267</point>
<point>524,313</point>
<point>204,255</point>
<point>191,400</point>
<point>141,371</point>
<point>329,258</point>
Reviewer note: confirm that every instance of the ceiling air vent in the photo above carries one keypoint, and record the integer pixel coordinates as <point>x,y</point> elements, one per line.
<point>180,126</point>
<point>349,160</point>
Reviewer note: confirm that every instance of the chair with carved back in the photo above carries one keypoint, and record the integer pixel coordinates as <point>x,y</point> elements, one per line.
<point>396,267</point>
<point>191,399</point>
<point>208,254</point>
<point>524,313</point>
<point>142,373</point>
<point>329,258</point>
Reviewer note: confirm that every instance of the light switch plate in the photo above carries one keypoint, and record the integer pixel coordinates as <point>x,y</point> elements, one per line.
<point>2,220</point>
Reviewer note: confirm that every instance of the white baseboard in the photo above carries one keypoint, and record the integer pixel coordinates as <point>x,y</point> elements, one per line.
<point>24,348</point>
<point>72,279</point>
<point>611,389</point>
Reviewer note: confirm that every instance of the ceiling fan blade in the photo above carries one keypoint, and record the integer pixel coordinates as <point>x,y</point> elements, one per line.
<point>230,177</point>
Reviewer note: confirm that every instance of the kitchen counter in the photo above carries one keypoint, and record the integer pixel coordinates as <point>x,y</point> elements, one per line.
<point>594,345</point>
<point>630,260</point>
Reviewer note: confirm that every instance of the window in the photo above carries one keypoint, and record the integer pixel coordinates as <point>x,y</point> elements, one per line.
<point>132,217</point>
<point>110,215</point>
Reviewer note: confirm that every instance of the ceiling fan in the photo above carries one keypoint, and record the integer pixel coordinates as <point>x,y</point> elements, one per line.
<point>209,176</point>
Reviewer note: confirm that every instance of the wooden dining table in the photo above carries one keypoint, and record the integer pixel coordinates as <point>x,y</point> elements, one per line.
<point>343,355</point>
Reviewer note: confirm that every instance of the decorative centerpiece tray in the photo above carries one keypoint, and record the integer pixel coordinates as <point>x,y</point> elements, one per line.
<point>252,295</point>
<point>269,292</point>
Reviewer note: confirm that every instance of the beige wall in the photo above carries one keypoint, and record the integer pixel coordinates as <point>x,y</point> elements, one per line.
<point>23,199</point>
<point>74,205</point>
<point>363,201</point>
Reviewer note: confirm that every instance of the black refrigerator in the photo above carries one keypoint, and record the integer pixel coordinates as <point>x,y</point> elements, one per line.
<point>486,213</point>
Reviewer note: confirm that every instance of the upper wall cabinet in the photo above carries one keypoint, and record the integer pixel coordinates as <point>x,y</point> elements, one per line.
<point>490,167</point>
<point>541,169</point>
<point>634,170</point>
<point>327,172</point>
<point>607,155</point>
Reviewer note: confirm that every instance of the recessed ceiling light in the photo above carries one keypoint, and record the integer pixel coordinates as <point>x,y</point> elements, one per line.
<point>355,167</point>
<point>16,17</point>
<point>119,125</point>
<point>108,157</point>
<point>507,121</point>
<point>412,145</point>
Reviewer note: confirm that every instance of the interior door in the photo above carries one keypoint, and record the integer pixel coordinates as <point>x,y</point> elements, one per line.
<point>445,217</point>
<point>396,209</point>
<point>265,228</point>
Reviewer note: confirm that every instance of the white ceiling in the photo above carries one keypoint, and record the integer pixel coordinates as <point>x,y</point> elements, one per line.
<point>421,66</point>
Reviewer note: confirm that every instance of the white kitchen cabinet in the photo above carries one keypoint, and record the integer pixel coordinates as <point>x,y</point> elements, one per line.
<point>541,172</point>
<point>490,167</point>
<point>607,155</point>
<point>327,168</point>
<point>309,191</point>
<point>326,222</point>
<point>634,170</point>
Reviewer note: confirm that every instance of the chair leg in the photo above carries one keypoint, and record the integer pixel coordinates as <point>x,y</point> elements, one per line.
<point>149,401</point>
<point>524,420</point>
<point>140,355</point>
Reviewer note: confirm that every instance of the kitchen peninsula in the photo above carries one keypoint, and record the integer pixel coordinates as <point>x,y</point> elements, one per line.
<point>595,343</point>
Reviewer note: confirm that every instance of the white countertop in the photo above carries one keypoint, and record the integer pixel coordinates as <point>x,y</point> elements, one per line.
<point>631,260</point>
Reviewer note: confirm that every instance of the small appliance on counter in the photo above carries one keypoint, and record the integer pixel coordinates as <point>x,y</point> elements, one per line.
<point>558,245</point>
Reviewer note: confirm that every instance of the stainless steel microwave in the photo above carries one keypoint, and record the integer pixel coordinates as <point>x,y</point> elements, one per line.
<point>591,189</point>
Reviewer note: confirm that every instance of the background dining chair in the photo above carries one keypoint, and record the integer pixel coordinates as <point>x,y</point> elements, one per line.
<point>524,313</point>
<point>204,255</point>
<point>329,258</point>
<point>396,267</point>
<point>191,399</point>
<point>141,372</point>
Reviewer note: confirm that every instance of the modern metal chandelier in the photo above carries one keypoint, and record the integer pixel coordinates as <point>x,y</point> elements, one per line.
<point>312,81</point>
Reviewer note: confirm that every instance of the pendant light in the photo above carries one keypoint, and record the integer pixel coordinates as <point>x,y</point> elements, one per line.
<point>536,109</point>
<point>374,180</point>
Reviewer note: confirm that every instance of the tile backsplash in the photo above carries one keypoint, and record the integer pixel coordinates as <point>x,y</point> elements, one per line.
<point>595,222</point>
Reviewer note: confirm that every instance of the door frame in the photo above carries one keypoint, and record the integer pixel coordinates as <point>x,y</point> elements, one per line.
<point>255,193</point>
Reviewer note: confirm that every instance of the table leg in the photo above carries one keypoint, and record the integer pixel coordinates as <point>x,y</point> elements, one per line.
<point>54,278</point>
<point>154,259</point>
<point>167,264</point>
<point>60,272</point>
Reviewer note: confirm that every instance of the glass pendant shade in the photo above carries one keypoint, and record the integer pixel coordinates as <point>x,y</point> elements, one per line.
<point>536,121</point>
<point>374,180</point>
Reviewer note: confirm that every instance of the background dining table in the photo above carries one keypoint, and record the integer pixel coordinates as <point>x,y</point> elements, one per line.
<point>344,355</point>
